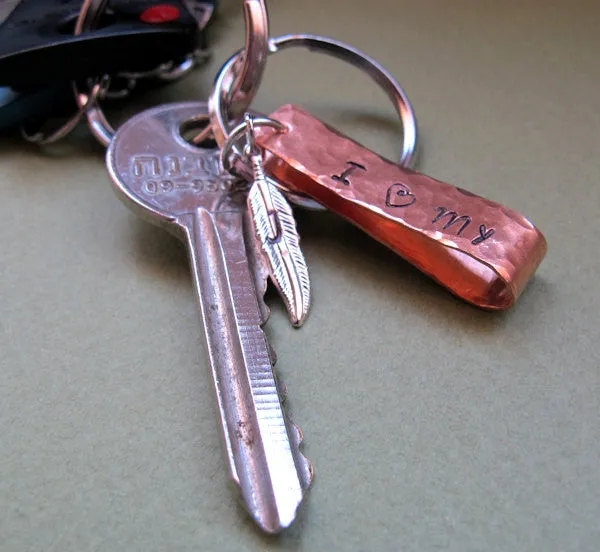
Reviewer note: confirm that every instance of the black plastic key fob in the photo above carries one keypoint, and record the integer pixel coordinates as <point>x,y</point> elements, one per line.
<point>56,98</point>
<point>37,44</point>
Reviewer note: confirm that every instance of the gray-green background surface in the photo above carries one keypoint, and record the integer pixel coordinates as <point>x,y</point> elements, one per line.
<point>431,425</point>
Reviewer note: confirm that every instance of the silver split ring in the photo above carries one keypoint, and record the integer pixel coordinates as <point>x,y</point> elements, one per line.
<point>218,99</point>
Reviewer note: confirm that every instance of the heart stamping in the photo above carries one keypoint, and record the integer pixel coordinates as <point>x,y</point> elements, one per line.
<point>399,195</point>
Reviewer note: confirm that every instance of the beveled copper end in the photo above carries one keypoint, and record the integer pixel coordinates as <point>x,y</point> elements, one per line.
<point>480,250</point>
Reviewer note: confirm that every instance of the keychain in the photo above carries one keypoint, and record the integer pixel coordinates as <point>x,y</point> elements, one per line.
<point>480,250</point>
<point>224,203</point>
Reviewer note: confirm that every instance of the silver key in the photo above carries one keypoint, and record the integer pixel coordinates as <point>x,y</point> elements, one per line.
<point>171,183</point>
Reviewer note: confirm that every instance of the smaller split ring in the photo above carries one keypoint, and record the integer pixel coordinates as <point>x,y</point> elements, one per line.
<point>229,151</point>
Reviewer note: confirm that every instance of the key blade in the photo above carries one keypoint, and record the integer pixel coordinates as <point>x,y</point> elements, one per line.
<point>262,446</point>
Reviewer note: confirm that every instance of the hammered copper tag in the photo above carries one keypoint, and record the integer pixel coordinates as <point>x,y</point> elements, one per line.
<point>480,250</point>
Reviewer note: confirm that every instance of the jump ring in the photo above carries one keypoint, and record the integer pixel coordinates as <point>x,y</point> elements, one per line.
<point>243,129</point>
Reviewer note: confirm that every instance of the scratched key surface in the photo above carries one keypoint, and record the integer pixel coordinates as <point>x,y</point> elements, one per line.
<point>172,183</point>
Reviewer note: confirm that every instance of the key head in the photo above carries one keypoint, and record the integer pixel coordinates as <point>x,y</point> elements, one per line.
<point>162,177</point>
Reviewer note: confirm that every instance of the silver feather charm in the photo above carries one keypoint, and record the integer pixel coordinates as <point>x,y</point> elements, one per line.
<point>275,229</point>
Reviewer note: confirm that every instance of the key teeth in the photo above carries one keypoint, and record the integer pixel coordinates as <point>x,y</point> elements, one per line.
<point>282,389</point>
<point>273,357</point>
<point>305,467</point>
<point>296,435</point>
